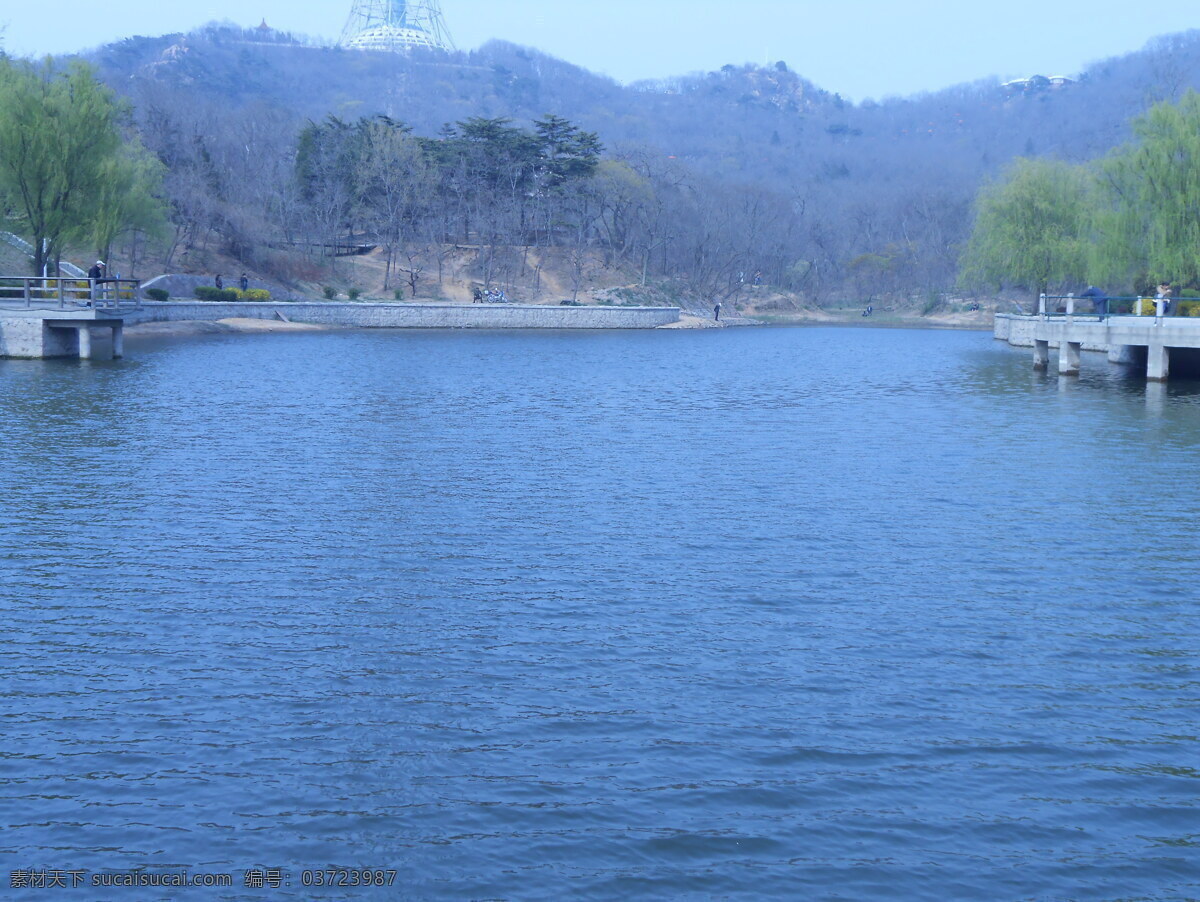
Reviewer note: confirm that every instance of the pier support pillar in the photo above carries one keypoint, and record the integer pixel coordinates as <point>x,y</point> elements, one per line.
<point>118,341</point>
<point>1041,355</point>
<point>1068,358</point>
<point>85,343</point>
<point>1158,363</point>
<point>1121,354</point>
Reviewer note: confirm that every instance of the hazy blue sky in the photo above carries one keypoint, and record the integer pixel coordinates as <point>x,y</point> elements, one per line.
<point>861,48</point>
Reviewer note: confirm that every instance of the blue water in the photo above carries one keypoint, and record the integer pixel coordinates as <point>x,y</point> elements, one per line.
<point>775,613</point>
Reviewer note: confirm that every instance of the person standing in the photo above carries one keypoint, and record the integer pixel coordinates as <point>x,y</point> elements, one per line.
<point>244,282</point>
<point>1099,300</point>
<point>717,312</point>
<point>1164,295</point>
<point>219,282</point>
<point>95,277</point>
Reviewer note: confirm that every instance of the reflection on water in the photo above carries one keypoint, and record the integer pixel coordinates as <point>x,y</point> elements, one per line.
<point>819,613</point>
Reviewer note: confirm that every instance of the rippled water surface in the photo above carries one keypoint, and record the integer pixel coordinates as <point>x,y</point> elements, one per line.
<point>809,613</point>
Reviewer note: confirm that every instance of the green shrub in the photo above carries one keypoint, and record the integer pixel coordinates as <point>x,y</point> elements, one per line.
<point>398,294</point>
<point>158,294</point>
<point>354,294</point>
<point>212,293</point>
<point>330,293</point>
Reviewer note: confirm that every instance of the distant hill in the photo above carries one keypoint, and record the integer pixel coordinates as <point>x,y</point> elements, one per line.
<point>879,194</point>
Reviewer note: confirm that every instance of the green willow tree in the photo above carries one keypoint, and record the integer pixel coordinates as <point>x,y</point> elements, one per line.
<point>1133,219</point>
<point>62,153</point>
<point>1149,226</point>
<point>126,199</point>
<point>1033,229</point>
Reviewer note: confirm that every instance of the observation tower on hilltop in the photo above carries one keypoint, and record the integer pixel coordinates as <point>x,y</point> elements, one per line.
<point>396,26</point>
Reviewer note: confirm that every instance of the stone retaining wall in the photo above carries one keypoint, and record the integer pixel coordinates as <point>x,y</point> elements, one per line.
<point>415,316</point>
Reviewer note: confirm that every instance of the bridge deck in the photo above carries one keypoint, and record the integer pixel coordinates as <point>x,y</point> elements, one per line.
<point>1173,332</point>
<point>1121,336</point>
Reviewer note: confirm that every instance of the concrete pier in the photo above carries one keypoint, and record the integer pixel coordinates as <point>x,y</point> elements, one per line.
<point>1068,358</point>
<point>1158,362</point>
<point>1123,354</point>
<point>84,332</point>
<point>61,316</point>
<point>40,334</point>
<point>1126,339</point>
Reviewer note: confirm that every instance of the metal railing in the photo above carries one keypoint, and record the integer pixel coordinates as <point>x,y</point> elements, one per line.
<point>1102,308</point>
<point>111,294</point>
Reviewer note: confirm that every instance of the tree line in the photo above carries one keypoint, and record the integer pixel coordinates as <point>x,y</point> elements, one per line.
<point>484,182</point>
<point>697,184</point>
<point>255,184</point>
<point>511,193</point>
<point>703,179</point>
<point>702,183</point>
<point>1127,221</point>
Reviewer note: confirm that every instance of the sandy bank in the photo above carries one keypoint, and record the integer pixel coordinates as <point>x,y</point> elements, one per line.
<point>688,321</point>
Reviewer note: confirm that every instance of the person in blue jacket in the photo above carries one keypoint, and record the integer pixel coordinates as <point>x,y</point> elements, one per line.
<point>1099,300</point>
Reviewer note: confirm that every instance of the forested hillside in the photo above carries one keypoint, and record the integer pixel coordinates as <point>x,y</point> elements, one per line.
<point>702,182</point>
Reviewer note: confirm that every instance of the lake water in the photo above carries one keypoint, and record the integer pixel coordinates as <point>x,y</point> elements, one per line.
<point>773,613</point>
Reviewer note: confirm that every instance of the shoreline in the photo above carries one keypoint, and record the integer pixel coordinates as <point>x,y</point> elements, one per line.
<point>228,326</point>
<point>246,326</point>
<point>955,322</point>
